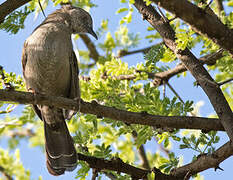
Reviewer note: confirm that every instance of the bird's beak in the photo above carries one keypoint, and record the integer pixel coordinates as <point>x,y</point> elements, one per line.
<point>90,31</point>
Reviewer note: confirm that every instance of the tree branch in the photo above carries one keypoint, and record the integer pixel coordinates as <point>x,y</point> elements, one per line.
<point>110,175</point>
<point>123,53</point>
<point>179,122</point>
<point>205,161</point>
<point>22,133</point>
<point>117,165</point>
<point>219,6</point>
<point>210,87</point>
<point>161,77</point>
<point>3,78</point>
<point>93,53</point>
<point>224,82</point>
<point>94,174</point>
<point>142,153</point>
<point>113,165</point>
<point>8,177</point>
<point>201,21</point>
<point>9,6</point>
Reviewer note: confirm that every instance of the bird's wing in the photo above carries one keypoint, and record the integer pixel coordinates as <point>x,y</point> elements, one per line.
<point>74,84</point>
<point>24,63</point>
<point>24,56</point>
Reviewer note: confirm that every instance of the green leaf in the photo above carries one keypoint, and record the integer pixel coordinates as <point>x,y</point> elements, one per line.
<point>121,10</point>
<point>123,1</point>
<point>131,1</point>
<point>230,3</point>
<point>183,146</point>
<point>185,140</point>
<point>15,21</point>
<point>148,2</point>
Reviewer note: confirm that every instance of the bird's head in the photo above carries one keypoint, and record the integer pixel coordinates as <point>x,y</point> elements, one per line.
<point>81,21</point>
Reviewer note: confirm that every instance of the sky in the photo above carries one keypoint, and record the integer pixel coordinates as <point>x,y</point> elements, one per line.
<point>10,59</point>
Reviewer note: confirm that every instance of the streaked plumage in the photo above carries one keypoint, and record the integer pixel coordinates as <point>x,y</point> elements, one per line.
<point>50,67</point>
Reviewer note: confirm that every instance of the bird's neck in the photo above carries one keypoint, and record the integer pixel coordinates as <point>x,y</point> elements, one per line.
<point>58,20</point>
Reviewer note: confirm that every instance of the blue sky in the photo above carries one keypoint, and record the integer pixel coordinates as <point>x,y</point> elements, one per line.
<point>10,59</point>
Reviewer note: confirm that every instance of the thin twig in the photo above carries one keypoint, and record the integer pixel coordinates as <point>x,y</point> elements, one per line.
<point>94,174</point>
<point>142,153</point>
<point>206,161</point>
<point>3,170</point>
<point>162,148</point>
<point>122,53</point>
<point>161,77</point>
<point>93,53</point>
<point>110,175</point>
<point>41,8</point>
<point>174,91</point>
<point>22,133</point>
<point>3,77</point>
<point>219,6</point>
<point>178,96</point>
<point>164,90</point>
<point>162,15</point>
<point>224,82</point>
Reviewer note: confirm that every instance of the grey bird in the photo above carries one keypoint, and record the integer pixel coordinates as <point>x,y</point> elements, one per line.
<point>50,67</point>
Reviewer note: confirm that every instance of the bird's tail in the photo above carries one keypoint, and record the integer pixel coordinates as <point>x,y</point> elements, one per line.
<point>60,150</point>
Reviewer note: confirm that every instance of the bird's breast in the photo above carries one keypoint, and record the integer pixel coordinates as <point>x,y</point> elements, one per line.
<point>48,66</point>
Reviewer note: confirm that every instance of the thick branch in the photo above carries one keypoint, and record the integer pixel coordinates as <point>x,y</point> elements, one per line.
<point>9,6</point>
<point>205,161</point>
<point>3,171</point>
<point>219,6</point>
<point>22,133</point>
<point>179,122</point>
<point>118,165</point>
<point>201,21</point>
<point>161,77</point>
<point>91,47</point>
<point>210,87</point>
<point>114,165</point>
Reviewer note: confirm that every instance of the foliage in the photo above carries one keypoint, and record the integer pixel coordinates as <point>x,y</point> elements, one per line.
<point>12,165</point>
<point>15,21</point>
<point>106,138</point>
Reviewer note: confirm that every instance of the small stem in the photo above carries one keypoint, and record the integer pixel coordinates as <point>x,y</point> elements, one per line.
<point>224,82</point>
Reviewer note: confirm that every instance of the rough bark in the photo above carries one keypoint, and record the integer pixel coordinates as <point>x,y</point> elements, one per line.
<point>9,6</point>
<point>203,78</point>
<point>205,161</point>
<point>179,122</point>
<point>207,24</point>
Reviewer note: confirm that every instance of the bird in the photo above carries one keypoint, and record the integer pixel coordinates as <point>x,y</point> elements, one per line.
<point>50,67</point>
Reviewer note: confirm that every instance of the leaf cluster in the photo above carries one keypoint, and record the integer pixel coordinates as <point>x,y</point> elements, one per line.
<point>15,21</point>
